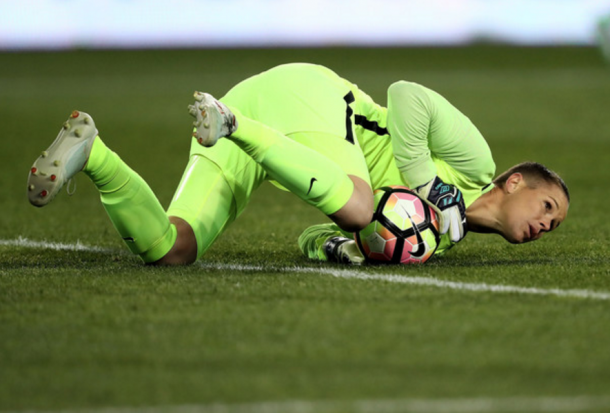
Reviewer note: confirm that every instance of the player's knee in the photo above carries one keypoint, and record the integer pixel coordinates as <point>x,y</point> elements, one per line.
<point>184,250</point>
<point>355,216</point>
<point>364,207</point>
<point>358,211</point>
<point>178,256</point>
<point>358,221</point>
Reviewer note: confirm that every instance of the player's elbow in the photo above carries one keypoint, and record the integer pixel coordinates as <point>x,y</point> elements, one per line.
<point>402,89</point>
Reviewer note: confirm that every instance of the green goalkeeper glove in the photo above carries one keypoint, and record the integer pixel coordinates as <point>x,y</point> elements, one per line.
<point>343,250</point>
<point>448,202</point>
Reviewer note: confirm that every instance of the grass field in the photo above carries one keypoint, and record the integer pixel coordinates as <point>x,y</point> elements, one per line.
<point>255,327</point>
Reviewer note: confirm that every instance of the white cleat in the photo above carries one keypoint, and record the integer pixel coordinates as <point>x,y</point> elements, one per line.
<point>66,156</point>
<point>213,120</point>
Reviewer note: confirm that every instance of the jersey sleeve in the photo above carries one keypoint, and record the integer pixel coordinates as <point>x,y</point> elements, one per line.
<point>423,125</point>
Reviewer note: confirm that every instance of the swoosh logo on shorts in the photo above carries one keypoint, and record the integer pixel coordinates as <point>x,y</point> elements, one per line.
<point>311,185</point>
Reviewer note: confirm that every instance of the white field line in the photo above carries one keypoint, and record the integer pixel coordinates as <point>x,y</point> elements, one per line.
<point>461,405</point>
<point>361,274</point>
<point>57,246</point>
<point>349,273</point>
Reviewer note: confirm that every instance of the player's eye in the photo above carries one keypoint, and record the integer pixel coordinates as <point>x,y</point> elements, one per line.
<point>547,205</point>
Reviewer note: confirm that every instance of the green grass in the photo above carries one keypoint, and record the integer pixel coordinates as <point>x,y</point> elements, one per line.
<point>98,329</point>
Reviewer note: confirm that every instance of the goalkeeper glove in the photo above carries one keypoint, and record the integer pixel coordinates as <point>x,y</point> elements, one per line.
<point>343,250</point>
<point>448,202</point>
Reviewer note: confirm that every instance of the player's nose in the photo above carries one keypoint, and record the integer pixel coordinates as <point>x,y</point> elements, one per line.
<point>545,225</point>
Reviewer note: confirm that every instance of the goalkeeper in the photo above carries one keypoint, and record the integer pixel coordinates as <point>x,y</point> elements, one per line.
<point>319,136</point>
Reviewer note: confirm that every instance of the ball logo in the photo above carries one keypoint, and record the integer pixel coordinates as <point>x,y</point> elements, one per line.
<point>404,229</point>
<point>421,248</point>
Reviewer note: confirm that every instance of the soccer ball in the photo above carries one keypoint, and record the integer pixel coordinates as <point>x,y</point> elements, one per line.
<point>404,229</point>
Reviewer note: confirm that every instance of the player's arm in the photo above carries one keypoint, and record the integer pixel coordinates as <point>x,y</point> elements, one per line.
<point>423,124</point>
<point>326,242</point>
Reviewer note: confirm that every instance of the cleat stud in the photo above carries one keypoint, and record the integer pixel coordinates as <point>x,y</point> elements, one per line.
<point>87,120</point>
<point>43,173</point>
<point>195,123</point>
<point>33,170</point>
<point>194,134</point>
<point>78,133</point>
<point>44,193</point>
<point>201,107</point>
<point>206,125</point>
<point>44,154</point>
<point>203,113</point>
<point>200,140</point>
<point>31,187</point>
<point>53,178</point>
<point>56,163</point>
<point>74,114</point>
<point>66,125</point>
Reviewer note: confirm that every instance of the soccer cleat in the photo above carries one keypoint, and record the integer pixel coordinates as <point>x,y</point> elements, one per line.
<point>66,156</point>
<point>213,120</point>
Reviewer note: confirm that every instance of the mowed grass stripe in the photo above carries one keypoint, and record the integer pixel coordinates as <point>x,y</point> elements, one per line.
<point>465,405</point>
<point>364,273</point>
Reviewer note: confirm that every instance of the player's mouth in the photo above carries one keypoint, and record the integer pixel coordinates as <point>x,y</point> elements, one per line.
<point>526,235</point>
<point>532,232</point>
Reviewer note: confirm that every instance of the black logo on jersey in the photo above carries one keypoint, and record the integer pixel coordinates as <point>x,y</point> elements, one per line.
<point>311,185</point>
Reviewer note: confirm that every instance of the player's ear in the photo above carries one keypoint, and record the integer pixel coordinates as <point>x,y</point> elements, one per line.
<point>514,182</point>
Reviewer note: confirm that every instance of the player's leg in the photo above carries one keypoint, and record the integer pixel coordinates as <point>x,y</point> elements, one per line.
<point>131,205</point>
<point>215,189</point>
<point>349,158</point>
<point>184,250</point>
<point>314,177</point>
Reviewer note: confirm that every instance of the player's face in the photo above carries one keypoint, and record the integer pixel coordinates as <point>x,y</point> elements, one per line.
<point>529,213</point>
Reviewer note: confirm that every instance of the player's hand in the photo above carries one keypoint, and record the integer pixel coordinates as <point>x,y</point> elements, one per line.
<point>343,250</point>
<point>448,202</point>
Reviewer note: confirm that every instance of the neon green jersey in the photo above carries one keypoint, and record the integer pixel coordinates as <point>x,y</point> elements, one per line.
<point>418,136</point>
